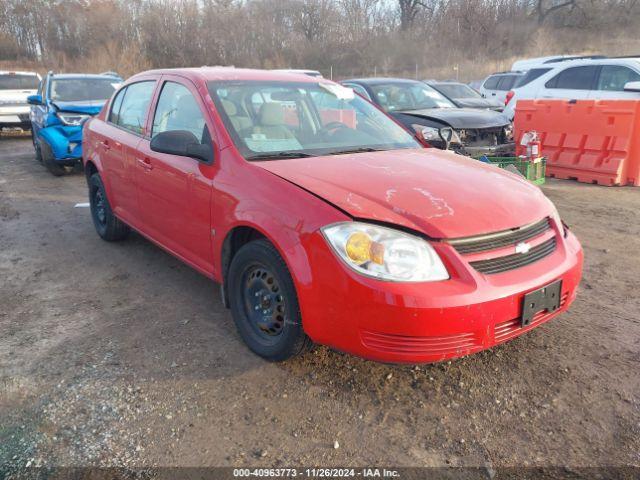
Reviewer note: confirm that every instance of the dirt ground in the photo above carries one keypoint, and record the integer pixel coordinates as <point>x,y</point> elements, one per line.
<point>119,355</point>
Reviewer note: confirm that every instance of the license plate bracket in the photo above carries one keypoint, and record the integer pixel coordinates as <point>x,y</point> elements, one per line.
<point>546,299</point>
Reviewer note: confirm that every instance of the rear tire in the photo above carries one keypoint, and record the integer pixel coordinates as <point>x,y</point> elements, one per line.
<point>264,303</point>
<point>108,226</point>
<point>49,161</point>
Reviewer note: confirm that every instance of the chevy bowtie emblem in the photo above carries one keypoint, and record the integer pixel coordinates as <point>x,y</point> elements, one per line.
<point>523,247</point>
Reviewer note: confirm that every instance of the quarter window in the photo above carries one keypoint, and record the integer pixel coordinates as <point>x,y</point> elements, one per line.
<point>614,77</point>
<point>133,109</point>
<point>491,83</point>
<point>574,78</point>
<point>178,110</point>
<point>115,106</point>
<point>506,82</point>
<point>530,76</point>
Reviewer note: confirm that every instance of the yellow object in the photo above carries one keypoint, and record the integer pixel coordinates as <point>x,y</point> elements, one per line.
<point>360,249</point>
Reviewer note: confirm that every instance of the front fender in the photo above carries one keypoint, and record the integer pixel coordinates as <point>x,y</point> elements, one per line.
<point>65,142</point>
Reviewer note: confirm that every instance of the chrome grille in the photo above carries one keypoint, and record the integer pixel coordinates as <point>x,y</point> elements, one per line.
<point>517,260</point>
<point>500,239</point>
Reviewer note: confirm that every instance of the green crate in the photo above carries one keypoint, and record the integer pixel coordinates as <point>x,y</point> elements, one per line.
<point>532,170</point>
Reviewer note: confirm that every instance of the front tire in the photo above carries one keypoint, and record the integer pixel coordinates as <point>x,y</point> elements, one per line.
<point>49,160</point>
<point>108,226</point>
<point>264,303</point>
<point>36,146</point>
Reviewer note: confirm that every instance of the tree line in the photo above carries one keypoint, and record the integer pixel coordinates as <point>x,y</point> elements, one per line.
<point>340,37</point>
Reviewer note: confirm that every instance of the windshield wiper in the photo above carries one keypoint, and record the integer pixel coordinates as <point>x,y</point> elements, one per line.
<point>279,155</point>
<point>356,150</point>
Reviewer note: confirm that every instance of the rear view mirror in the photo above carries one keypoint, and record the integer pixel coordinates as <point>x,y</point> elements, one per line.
<point>182,143</point>
<point>34,99</point>
<point>632,87</point>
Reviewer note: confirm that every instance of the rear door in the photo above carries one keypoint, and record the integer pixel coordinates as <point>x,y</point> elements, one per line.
<point>611,81</point>
<point>118,139</point>
<point>175,191</point>
<point>574,83</point>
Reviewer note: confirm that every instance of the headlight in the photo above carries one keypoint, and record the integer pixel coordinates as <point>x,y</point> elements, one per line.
<point>72,119</point>
<point>432,134</point>
<point>428,133</point>
<point>385,253</point>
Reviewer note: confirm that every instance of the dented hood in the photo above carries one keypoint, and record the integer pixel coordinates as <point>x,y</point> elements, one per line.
<point>437,192</point>
<point>461,117</point>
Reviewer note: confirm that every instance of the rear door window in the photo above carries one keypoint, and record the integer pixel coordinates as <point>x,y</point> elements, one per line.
<point>492,82</point>
<point>614,77</point>
<point>575,78</point>
<point>133,111</point>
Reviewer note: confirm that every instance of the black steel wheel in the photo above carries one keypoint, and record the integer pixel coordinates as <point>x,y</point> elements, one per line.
<point>108,226</point>
<point>264,303</point>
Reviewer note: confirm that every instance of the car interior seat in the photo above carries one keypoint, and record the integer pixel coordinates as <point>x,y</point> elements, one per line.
<point>239,122</point>
<point>272,123</point>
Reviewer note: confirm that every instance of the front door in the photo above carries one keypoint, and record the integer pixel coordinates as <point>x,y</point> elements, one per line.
<point>611,82</point>
<point>175,191</point>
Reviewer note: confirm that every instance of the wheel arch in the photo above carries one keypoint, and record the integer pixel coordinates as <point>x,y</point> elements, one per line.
<point>240,234</point>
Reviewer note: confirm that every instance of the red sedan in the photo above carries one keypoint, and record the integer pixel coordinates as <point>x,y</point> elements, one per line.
<point>324,220</point>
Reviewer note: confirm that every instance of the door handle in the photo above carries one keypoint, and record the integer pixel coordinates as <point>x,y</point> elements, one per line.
<point>145,163</point>
<point>106,145</point>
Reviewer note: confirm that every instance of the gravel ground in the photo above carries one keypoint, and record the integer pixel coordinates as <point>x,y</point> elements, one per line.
<point>119,355</point>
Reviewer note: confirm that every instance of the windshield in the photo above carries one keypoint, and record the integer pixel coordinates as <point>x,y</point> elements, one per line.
<point>295,119</point>
<point>457,90</point>
<point>83,89</point>
<point>18,82</point>
<point>408,96</point>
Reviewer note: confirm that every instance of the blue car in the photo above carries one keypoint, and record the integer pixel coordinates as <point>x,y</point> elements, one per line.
<point>58,111</point>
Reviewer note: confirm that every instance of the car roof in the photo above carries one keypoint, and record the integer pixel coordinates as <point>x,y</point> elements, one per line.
<point>444,82</point>
<point>506,73</point>
<point>231,73</point>
<point>82,75</point>
<point>382,80</point>
<point>15,72</point>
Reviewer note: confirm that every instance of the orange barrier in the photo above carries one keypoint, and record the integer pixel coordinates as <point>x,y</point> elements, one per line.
<point>592,141</point>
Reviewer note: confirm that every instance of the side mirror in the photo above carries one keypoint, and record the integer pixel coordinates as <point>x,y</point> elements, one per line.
<point>182,143</point>
<point>34,99</point>
<point>632,87</point>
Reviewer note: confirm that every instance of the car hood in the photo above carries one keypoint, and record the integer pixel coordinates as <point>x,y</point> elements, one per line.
<point>436,192</point>
<point>91,107</point>
<point>461,117</point>
<point>479,103</point>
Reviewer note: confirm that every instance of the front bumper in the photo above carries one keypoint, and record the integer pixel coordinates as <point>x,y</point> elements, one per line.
<point>65,142</point>
<point>428,322</point>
